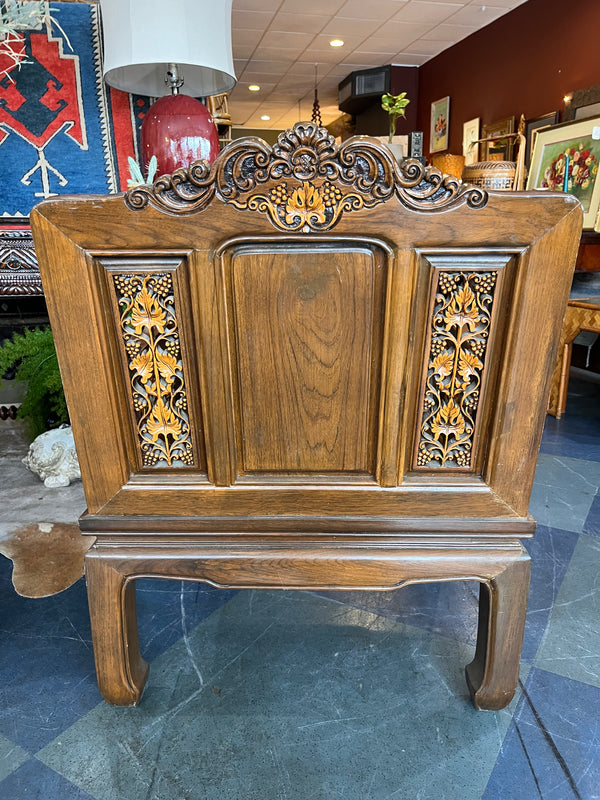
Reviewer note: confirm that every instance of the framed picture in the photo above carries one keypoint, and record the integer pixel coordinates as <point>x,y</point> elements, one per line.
<point>532,127</point>
<point>580,102</point>
<point>440,125</point>
<point>593,110</point>
<point>571,151</point>
<point>498,149</point>
<point>470,144</point>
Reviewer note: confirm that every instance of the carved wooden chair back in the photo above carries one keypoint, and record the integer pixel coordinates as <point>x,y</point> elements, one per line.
<point>307,366</point>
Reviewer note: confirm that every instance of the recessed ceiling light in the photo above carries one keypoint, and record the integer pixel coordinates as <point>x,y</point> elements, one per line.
<point>336,43</point>
<point>265,117</point>
<point>254,87</point>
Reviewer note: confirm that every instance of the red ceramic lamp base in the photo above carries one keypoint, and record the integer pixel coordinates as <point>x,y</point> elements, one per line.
<point>178,130</point>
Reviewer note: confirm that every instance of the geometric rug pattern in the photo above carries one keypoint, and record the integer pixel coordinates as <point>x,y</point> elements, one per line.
<point>62,130</point>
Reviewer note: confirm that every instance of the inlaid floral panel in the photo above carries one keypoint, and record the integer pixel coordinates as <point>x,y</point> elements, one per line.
<point>150,332</point>
<point>455,365</point>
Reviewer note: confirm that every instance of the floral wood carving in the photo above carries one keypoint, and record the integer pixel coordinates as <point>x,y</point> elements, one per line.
<point>455,364</point>
<point>313,181</point>
<point>150,334</point>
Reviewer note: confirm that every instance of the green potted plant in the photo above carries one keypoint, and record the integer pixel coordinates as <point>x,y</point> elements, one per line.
<point>395,105</point>
<point>32,357</point>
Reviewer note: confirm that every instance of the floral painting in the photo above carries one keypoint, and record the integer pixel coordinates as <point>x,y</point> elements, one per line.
<point>440,125</point>
<point>566,158</point>
<point>579,158</point>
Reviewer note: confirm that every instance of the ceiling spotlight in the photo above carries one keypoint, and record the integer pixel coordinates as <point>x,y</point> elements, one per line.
<point>254,87</point>
<point>265,117</point>
<point>336,43</point>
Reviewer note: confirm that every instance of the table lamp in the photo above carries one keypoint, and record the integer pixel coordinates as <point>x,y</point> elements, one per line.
<point>154,48</point>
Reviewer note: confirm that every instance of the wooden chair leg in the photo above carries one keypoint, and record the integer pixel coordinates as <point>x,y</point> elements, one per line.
<point>493,674</point>
<point>120,669</point>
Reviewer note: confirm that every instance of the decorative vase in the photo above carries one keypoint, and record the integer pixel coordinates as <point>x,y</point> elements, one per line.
<point>449,164</point>
<point>397,150</point>
<point>178,130</point>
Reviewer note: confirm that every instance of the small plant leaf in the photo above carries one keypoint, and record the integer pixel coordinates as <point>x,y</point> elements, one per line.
<point>152,167</point>
<point>136,176</point>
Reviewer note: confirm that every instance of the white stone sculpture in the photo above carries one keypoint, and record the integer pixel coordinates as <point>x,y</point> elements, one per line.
<point>52,456</point>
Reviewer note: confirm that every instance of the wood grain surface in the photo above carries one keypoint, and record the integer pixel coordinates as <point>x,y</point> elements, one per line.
<point>308,366</point>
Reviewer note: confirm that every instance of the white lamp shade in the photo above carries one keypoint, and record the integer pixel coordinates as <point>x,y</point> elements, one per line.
<point>142,37</point>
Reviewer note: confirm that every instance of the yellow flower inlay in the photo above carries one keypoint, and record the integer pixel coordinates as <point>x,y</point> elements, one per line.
<point>442,364</point>
<point>147,313</point>
<point>468,365</point>
<point>463,310</point>
<point>307,203</point>
<point>448,421</point>
<point>163,422</point>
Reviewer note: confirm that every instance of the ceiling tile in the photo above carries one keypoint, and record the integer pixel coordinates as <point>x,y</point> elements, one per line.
<point>312,6</point>
<point>277,53</point>
<point>452,33</point>
<point>381,10</point>
<point>376,59</point>
<point>426,47</point>
<point>351,41</point>
<point>257,67</point>
<point>265,87</point>
<point>405,27</point>
<point>285,39</point>
<point>427,12</point>
<point>243,105</point>
<point>302,23</point>
<point>344,26</point>
<point>479,15</point>
<point>243,36</point>
<point>292,88</point>
<point>321,56</point>
<point>340,71</point>
<point>256,5</point>
<point>409,60</point>
<point>242,52</point>
<point>394,36</point>
<point>508,4</point>
<point>251,20</point>
<point>275,106</point>
<point>307,68</point>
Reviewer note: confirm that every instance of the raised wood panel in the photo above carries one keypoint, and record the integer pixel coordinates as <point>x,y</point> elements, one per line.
<point>307,327</point>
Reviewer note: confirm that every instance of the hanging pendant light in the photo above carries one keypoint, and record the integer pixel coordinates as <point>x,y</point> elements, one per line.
<point>316,109</point>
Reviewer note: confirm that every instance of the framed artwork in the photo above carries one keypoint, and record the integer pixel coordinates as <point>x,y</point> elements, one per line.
<point>583,112</point>
<point>498,149</point>
<point>470,144</point>
<point>569,151</point>
<point>532,127</point>
<point>440,125</point>
<point>581,100</point>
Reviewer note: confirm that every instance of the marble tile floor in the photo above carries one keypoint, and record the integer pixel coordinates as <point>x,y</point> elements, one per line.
<point>318,696</point>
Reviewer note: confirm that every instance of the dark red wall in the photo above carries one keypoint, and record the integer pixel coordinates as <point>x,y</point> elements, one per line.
<point>523,63</point>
